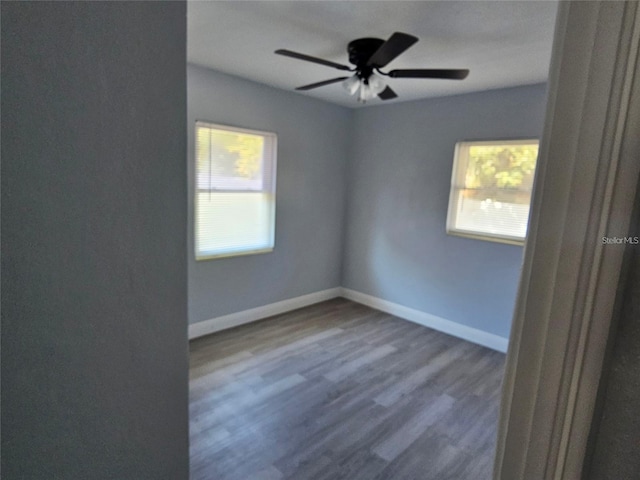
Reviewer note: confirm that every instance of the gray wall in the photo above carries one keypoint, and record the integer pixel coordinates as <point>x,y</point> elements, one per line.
<point>312,149</point>
<point>94,328</point>
<point>396,247</point>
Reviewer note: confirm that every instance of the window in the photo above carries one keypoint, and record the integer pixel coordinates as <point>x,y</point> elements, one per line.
<point>491,190</point>
<point>234,191</point>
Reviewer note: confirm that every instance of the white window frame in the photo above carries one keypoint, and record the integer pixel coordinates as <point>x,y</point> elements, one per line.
<point>458,172</point>
<point>269,186</point>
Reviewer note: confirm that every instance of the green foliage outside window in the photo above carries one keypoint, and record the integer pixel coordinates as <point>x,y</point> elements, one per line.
<point>500,172</point>
<point>234,154</point>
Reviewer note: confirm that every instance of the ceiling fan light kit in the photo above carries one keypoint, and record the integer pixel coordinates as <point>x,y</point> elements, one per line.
<point>352,84</point>
<point>369,55</point>
<point>366,88</point>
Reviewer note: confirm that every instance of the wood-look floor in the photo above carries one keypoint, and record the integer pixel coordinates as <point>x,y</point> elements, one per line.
<point>340,391</point>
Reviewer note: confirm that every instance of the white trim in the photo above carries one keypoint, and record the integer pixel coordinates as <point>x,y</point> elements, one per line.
<point>247,316</point>
<point>234,129</point>
<point>480,337</point>
<point>584,190</point>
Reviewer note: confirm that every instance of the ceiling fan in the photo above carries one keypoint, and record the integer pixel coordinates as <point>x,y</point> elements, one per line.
<point>369,55</point>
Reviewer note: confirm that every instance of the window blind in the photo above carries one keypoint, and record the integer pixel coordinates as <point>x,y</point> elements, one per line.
<point>234,191</point>
<point>491,187</point>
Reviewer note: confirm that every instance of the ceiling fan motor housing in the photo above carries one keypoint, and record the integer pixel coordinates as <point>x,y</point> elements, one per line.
<point>361,50</point>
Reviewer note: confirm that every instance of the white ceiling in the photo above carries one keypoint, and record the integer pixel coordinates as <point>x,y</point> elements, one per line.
<point>503,43</point>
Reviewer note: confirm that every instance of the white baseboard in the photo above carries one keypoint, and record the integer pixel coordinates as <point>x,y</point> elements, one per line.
<point>495,342</point>
<point>246,316</point>
<point>470,334</point>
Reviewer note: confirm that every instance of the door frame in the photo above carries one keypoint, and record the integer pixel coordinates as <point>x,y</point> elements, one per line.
<point>585,187</point>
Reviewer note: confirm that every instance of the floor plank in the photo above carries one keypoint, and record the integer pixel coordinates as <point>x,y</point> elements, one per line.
<point>340,391</point>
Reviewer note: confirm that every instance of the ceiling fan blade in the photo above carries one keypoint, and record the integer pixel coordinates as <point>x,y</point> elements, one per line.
<point>397,43</point>
<point>387,94</point>
<point>307,58</point>
<point>452,74</point>
<point>321,84</point>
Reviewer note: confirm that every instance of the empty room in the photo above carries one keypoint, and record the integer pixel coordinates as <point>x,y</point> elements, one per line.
<point>382,240</point>
<point>355,245</point>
